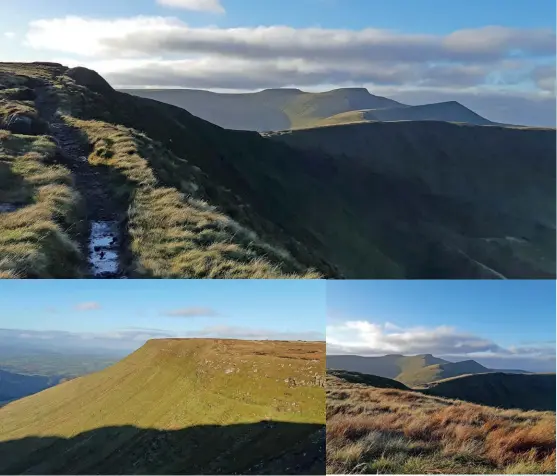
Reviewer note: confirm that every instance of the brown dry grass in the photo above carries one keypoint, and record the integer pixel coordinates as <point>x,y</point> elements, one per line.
<point>373,430</point>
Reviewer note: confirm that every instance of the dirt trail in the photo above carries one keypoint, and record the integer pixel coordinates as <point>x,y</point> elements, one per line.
<point>103,242</point>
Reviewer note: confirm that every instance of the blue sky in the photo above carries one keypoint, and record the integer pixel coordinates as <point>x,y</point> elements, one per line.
<point>126,313</point>
<point>498,61</point>
<point>435,16</point>
<point>507,323</point>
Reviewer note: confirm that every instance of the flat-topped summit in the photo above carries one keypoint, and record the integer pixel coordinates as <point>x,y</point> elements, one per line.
<point>255,402</point>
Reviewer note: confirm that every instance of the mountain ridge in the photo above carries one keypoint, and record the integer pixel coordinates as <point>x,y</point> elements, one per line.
<point>239,204</point>
<point>418,370</point>
<point>292,108</point>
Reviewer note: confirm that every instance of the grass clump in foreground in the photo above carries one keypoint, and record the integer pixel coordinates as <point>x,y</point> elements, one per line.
<point>173,231</point>
<point>388,431</point>
<point>35,241</point>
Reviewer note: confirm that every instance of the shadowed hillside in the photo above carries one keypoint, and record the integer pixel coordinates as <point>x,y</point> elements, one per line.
<point>161,400</point>
<point>266,447</point>
<point>382,430</point>
<point>365,379</point>
<point>438,155</point>
<point>127,186</point>
<point>528,392</point>
<point>411,370</point>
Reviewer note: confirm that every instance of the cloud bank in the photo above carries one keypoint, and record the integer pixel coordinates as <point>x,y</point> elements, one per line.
<point>508,72</point>
<point>192,312</point>
<point>366,338</point>
<point>211,6</point>
<point>130,338</point>
<point>87,306</point>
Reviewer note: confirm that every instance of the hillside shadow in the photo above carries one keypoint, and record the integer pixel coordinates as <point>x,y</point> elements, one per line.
<point>266,447</point>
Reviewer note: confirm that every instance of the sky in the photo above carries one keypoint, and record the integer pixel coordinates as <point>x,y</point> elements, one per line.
<point>499,323</point>
<point>498,61</point>
<point>123,314</point>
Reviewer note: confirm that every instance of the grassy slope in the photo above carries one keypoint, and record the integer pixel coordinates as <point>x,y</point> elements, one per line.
<point>389,366</point>
<point>175,384</point>
<point>528,391</point>
<point>282,194</point>
<point>447,111</point>
<point>501,219</point>
<point>431,373</point>
<point>366,379</point>
<point>235,204</point>
<point>271,109</point>
<point>175,229</point>
<point>472,163</point>
<point>36,239</point>
<point>388,431</point>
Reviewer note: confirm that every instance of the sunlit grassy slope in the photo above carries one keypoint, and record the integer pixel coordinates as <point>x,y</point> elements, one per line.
<point>175,387</point>
<point>376,430</point>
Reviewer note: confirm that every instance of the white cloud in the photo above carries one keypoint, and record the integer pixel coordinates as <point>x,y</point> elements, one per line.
<point>211,6</point>
<point>238,332</point>
<point>192,312</point>
<point>363,337</point>
<point>85,36</point>
<point>87,306</point>
<point>10,35</point>
<point>478,67</point>
<point>131,338</point>
<point>161,35</point>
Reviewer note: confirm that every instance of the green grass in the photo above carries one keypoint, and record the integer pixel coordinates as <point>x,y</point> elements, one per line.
<point>36,239</point>
<point>173,232</point>
<point>381,200</point>
<point>173,385</point>
<point>180,223</point>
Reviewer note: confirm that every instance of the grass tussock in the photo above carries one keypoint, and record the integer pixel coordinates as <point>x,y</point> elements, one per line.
<point>35,232</point>
<point>174,233</point>
<point>387,431</point>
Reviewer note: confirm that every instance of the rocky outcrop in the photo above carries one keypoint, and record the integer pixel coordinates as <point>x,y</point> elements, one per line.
<point>90,79</point>
<point>24,124</point>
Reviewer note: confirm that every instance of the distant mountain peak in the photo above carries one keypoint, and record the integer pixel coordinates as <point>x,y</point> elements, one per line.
<point>282,90</point>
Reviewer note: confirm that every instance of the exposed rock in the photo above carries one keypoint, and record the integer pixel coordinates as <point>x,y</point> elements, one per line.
<point>22,124</point>
<point>47,63</point>
<point>22,94</point>
<point>90,79</point>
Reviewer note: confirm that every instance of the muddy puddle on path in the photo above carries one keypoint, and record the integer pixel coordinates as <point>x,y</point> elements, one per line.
<point>104,249</point>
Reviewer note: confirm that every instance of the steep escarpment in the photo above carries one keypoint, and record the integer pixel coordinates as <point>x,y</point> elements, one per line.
<point>178,406</point>
<point>498,215</point>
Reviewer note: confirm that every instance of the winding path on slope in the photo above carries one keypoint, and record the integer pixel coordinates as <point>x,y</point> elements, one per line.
<point>104,235</point>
